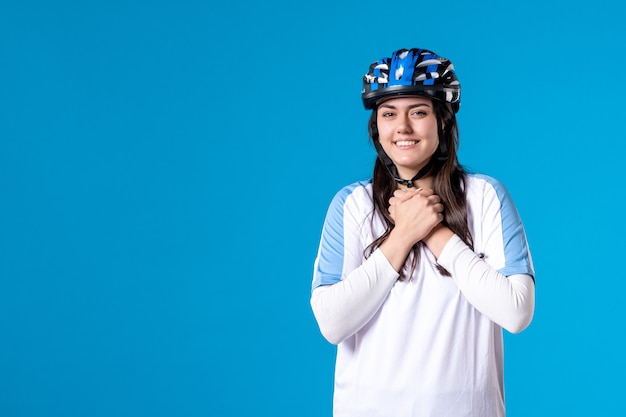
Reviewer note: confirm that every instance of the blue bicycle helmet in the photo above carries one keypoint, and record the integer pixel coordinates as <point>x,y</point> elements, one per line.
<point>411,72</point>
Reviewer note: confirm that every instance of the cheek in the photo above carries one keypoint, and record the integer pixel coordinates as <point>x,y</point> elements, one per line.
<point>385,140</point>
<point>431,132</point>
<point>384,133</point>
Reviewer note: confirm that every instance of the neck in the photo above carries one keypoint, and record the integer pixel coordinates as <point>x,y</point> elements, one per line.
<point>425,182</point>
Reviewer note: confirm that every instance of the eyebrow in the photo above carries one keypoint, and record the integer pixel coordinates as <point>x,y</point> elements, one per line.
<point>412,106</point>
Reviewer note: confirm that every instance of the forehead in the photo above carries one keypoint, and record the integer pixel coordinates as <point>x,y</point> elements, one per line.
<point>402,101</point>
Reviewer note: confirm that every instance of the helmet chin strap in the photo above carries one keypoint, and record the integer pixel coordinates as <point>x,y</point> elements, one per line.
<point>393,170</point>
<point>443,147</point>
<point>442,155</point>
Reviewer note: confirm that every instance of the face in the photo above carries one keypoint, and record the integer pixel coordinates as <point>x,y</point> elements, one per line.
<point>407,128</point>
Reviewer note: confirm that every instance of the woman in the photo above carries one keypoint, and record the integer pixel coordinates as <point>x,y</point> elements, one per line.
<point>420,268</point>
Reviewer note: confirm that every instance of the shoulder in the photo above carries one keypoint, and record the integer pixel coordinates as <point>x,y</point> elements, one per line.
<point>481,184</point>
<point>357,191</point>
<point>353,200</point>
<point>487,195</point>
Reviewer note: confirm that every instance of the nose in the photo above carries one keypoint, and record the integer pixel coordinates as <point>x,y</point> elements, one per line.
<point>404,124</point>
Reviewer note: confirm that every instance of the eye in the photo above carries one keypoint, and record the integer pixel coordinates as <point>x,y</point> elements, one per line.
<point>386,114</point>
<point>419,113</point>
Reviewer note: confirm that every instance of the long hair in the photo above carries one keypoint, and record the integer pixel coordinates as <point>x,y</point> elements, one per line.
<point>448,183</point>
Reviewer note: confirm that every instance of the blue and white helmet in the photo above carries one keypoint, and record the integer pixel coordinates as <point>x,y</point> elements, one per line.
<point>411,72</point>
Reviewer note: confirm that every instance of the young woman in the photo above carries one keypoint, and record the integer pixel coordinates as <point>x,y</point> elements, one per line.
<point>420,268</point>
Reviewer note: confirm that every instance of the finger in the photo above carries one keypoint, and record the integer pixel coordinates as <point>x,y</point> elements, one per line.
<point>401,195</point>
<point>426,192</point>
<point>439,208</point>
<point>434,199</point>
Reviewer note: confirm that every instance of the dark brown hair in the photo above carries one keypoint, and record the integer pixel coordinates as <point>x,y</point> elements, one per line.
<point>448,184</point>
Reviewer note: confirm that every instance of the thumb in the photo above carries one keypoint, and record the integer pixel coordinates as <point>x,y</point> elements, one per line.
<point>404,195</point>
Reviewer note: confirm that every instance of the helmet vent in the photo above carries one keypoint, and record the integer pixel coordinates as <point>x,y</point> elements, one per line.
<point>399,72</point>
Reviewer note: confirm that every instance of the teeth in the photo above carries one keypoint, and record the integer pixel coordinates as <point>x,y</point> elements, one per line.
<point>406,142</point>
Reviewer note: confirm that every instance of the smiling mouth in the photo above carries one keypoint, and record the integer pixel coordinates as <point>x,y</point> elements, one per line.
<point>403,143</point>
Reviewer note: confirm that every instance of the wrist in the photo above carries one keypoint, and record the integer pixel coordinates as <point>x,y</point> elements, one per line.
<point>437,239</point>
<point>396,248</point>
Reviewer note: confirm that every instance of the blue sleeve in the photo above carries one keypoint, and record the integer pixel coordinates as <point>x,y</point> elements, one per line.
<point>330,257</point>
<point>516,250</point>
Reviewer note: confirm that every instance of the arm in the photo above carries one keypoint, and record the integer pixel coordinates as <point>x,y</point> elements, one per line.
<point>508,301</point>
<point>500,285</point>
<point>343,308</point>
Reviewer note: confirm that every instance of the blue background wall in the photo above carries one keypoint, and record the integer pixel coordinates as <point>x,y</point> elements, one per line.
<point>165,168</point>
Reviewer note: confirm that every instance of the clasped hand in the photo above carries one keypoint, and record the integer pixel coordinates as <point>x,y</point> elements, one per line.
<point>416,212</point>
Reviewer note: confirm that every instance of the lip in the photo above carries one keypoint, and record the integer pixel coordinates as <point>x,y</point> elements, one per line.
<point>406,143</point>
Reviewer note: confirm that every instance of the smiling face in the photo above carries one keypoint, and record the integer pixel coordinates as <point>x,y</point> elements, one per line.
<point>407,129</point>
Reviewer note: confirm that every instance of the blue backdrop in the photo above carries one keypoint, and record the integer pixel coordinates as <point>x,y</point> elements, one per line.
<point>165,168</point>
